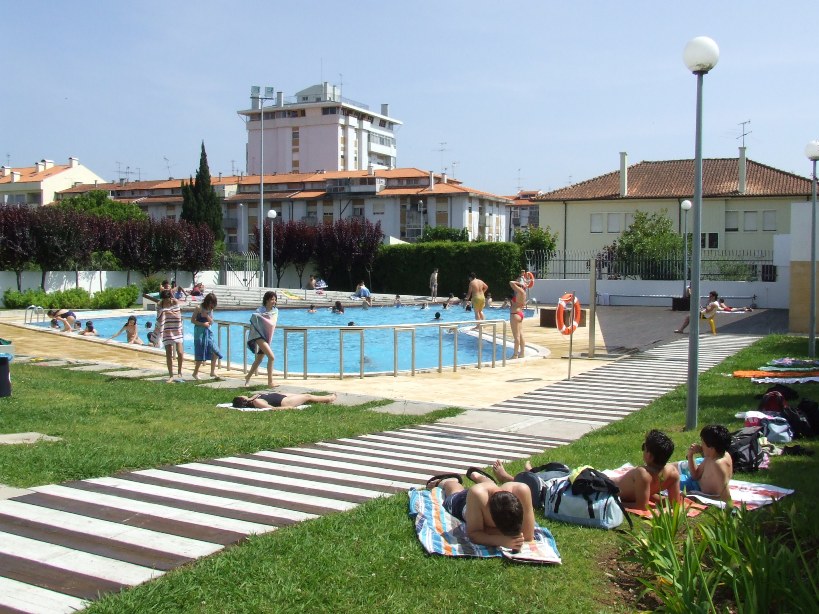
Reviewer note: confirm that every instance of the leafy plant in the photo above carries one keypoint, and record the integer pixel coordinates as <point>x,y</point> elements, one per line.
<point>115,298</point>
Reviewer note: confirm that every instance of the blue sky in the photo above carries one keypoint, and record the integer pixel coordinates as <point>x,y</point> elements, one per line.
<point>531,94</point>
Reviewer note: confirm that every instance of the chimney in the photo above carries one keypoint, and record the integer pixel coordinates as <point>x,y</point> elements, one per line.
<point>623,174</point>
<point>5,171</point>
<point>431,179</point>
<point>279,99</point>
<point>39,167</point>
<point>15,176</point>
<point>48,164</point>
<point>370,170</point>
<point>742,170</point>
<point>443,178</point>
<point>73,162</point>
<point>385,109</point>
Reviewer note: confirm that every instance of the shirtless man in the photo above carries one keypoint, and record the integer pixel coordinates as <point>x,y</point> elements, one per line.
<point>710,311</point>
<point>433,284</point>
<point>476,295</point>
<point>643,484</point>
<point>711,477</point>
<point>494,515</point>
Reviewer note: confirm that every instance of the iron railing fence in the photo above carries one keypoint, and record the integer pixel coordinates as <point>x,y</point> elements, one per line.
<point>716,265</point>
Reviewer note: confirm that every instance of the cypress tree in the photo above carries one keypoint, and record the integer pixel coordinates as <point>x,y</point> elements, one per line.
<point>199,200</point>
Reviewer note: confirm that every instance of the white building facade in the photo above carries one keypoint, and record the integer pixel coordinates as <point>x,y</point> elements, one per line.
<point>38,184</point>
<point>317,129</point>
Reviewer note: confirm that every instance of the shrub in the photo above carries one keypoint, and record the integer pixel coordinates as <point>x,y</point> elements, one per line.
<point>151,284</point>
<point>116,298</point>
<point>72,298</point>
<point>13,299</point>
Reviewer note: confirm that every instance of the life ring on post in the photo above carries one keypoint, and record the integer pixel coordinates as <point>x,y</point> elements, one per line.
<point>568,302</point>
<point>528,279</point>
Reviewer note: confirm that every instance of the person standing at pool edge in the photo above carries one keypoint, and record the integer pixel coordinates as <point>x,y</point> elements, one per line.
<point>170,328</point>
<point>433,285</point>
<point>262,326</point>
<point>477,295</point>
<point>203,346</point>
<point>516,317</point>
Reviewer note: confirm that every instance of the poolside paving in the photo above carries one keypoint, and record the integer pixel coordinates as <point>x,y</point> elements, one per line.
<point>63,545</point>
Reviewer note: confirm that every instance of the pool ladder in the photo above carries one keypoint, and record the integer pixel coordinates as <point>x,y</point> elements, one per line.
<point>34,315</point>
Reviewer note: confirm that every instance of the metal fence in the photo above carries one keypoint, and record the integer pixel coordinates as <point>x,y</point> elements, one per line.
<point>718,265</point>
<point>240,269</point>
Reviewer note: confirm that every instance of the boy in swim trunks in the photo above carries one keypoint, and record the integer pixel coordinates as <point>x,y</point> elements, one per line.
<point>476,295</point>
<point>712,475</point>
<point>642,485</point>
<point>494,515</point>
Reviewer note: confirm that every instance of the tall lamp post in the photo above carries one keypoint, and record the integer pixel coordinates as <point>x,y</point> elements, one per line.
<point>256,94</point>
<point>271,215</point>
<point>700,55</point>
<point>812,152</point>
<point>686,207</point>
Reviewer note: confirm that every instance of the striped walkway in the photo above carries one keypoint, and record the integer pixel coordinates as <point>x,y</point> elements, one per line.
<point>65,545</point>
<point>619,388</point>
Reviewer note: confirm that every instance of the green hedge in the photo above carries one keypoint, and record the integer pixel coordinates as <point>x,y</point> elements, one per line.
<point>406,268</point>
<point>73,298</point>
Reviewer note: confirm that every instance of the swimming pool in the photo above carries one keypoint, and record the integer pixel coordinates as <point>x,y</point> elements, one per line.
<point>324,344</point>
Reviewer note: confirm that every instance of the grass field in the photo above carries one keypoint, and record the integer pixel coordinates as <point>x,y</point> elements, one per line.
<point>368,559</point>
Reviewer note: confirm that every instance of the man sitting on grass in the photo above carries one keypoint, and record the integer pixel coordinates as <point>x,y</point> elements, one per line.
<point>712,475</point>
<point>494,515</point>
<point>643,484</point>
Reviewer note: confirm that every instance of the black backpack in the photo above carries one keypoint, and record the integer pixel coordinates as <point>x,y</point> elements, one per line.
<point>811,411</point>
<point>800,425</point>
<point>745,450</point>
<point>591,482</point>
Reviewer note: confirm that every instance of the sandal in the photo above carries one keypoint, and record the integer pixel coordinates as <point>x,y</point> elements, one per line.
<point>435,480</point>
<point>472,470</point>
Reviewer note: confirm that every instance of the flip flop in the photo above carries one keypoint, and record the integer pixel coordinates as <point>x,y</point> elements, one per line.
<point>435,480</point>
<point>472,470</point>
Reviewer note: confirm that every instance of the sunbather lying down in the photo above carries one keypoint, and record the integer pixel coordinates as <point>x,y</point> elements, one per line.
<point>279,400</point>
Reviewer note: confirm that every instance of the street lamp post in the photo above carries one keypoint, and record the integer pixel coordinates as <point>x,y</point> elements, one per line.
<point>271,216</point>
<point>686,207</point>
<point>700,55</point>
<point>256,94</point>
<point>812,152</point>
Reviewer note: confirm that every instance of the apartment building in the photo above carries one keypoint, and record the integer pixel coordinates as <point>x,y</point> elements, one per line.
<point>317,129</point>
<point>38,184</point>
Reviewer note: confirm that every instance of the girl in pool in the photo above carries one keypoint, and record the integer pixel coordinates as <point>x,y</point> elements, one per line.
<point>262,326</point>
<point>171,331</point>
<point>64,317</point>
<point>203,346</point>
<point>131,330</point>
<point>338,307</point>
<point>89,330</point>
<point>312,309</point>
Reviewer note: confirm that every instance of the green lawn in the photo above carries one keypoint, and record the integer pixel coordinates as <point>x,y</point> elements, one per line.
<point>368,559</point>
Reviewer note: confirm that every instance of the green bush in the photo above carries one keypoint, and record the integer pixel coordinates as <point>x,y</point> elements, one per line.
<point>13,299</point>
<point>151,284</point>
<point>116,298</point>
<point>406,268</point>
<point>72,298</point>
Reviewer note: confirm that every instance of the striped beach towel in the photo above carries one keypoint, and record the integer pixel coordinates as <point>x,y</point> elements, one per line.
<point>442,533</point>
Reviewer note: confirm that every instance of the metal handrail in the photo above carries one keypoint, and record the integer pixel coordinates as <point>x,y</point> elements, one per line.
<point>396,328</point>
<point>31,312</point>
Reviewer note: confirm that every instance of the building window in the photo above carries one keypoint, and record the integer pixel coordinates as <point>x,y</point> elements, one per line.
<point>711,238</point>
<point>378,207</point>
<point>749,221</point>
<point>769,220</point>
<point>629,219</point>
<point>295,137</point>
<point>613,222</point>
<point>731,221</point>
<point>596,222</point>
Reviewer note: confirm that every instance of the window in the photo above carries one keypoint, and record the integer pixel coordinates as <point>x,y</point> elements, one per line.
<point>295,137</point>
<point>750,223</point>
<point>712,239</point>
<point>613,222</point>
<point>378,207</point>
<point>731,221</point>
<point>596,222</point>
<point>769,220</point>
<point>629,219</point>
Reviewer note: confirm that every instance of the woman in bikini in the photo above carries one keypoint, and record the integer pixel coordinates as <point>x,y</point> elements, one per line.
<point>516,315</point>
<point>203,346</point>
<point>276,400</point>
<point>169,326</point>
<point>131,330</point>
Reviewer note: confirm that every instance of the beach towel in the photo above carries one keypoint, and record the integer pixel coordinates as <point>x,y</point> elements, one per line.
<point>784,380</point>
<point>441,533</point>
<point>262,326</point>
<point>779,374</point>
<point>230,406</point>
<point>751,494</point>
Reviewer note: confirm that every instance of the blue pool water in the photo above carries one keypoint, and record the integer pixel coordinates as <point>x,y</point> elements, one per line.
<point>323,345</point>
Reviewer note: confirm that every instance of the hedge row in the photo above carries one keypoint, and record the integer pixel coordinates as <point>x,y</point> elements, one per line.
<point>73,298</point>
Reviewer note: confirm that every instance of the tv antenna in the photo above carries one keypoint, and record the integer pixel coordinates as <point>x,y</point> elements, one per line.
<point>745,131</point>
<point>441,148</point>
<point>168,165</point>
<point>520,186</point>
<point>455,163</point>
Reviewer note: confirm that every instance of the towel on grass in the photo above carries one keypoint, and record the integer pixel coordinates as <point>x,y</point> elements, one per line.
<point>442,533</point>
<point>751,494</point>
<point>230,406</point>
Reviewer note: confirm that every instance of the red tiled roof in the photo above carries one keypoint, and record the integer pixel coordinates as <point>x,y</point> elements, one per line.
<point>30,174</point>
<point>675,179</point>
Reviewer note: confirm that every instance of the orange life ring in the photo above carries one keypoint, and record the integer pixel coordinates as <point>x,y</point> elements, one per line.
<point>568,302</point>
<point>528,279</point>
